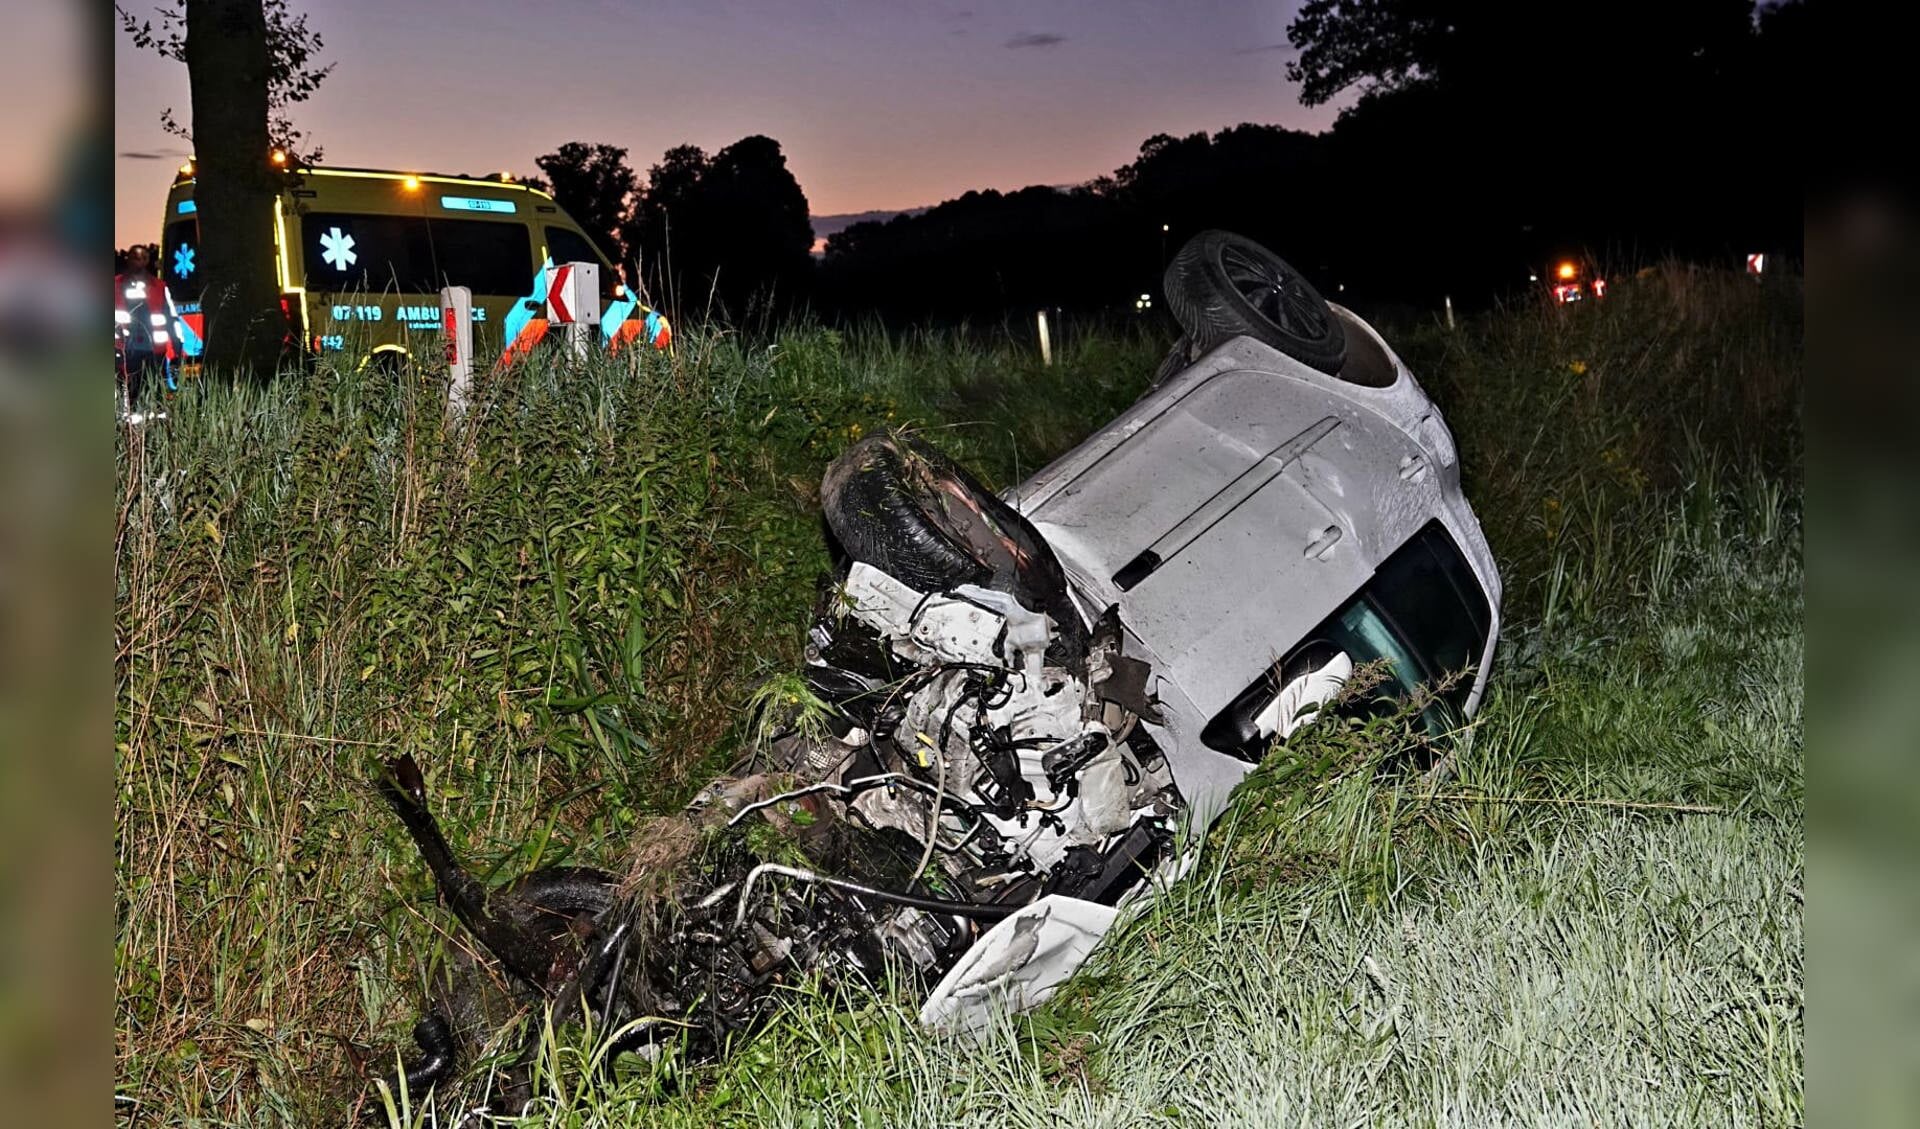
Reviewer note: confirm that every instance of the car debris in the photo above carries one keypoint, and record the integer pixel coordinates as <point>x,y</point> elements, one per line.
<point>1038,701</point>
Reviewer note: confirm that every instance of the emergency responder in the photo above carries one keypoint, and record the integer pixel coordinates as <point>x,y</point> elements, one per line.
<point>143,325</point>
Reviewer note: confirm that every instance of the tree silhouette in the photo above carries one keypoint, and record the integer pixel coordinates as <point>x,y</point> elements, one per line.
<point>759,234</point>
<point>595,185</point>
<point>1508,50</point>
<point>666,228</point>
<point>1264,181</point>
<point>1484,138</point>
<point>1529,129</point>
<point>987,254</point>
<point>1467,161</point>
<point>1376,45</point>
<point>732,228</point>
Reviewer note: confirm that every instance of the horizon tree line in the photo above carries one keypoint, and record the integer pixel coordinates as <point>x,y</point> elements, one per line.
<point>1483,137</point>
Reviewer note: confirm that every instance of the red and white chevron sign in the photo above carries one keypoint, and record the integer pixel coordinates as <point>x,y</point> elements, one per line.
<point>559,311</point>
<point>573,294</point>
<point>573,301</point>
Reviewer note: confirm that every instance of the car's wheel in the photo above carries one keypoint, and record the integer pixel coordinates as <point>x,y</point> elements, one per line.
<point>388,364</point>
<point>1223,285</point>
<point>898,503</point>
<point>563,893</point>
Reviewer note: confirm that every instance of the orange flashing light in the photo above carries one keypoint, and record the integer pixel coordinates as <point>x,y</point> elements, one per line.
<point>411,184</point>
<point>1565,270</point>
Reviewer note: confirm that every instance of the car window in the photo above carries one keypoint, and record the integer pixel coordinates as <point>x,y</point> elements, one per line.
<point>344,252</point>
<point>1428,594</point>
<point>488,258</point>
<point>567,246</point>
<point>179,264</point>
<point>1423,614</point>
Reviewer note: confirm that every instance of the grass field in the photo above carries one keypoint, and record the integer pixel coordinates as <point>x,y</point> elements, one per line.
<point>1597,921</point>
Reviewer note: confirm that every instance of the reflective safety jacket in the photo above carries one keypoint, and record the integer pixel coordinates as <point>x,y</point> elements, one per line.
<point>144,320</point>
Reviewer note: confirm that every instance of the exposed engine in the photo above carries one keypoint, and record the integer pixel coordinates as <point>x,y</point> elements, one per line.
<point>1021,770</point>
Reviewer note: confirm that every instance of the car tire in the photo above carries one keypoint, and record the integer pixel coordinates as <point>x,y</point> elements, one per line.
<point>899,504</point>
<point>565,892</point>
<point>1221,286</point>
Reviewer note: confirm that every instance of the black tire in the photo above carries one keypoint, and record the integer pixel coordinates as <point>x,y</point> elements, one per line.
<point>898,503</point>
<point>562,893</point>
<point>1221,286</point>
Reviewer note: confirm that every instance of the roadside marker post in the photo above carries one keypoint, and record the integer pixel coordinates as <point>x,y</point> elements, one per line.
<point>573,300</point>
<point>456,326</point>
<point>1046,342</point>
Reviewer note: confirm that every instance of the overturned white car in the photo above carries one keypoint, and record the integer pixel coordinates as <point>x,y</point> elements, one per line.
<point>1033,695</point>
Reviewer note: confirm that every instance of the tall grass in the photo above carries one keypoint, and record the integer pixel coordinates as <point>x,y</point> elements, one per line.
<point>563,610</point>
<point>1598,921</point>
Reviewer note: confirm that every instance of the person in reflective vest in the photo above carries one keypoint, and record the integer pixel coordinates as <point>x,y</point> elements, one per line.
<point>144,325</point>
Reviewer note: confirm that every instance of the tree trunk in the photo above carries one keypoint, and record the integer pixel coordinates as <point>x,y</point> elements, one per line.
<point>226,55</point>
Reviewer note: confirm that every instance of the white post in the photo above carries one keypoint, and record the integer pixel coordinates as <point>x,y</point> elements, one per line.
<point>1449,302</point>
<point>1046,342</point>
<point>573,300</point>
<point>456,325</point>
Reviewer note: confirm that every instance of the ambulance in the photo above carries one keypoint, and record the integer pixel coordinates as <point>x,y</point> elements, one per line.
<point>360,256</point>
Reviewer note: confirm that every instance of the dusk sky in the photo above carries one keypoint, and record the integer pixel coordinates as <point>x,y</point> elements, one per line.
<point>878,105</point>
